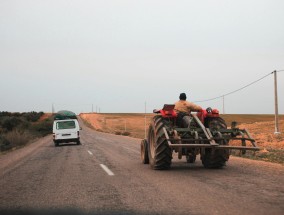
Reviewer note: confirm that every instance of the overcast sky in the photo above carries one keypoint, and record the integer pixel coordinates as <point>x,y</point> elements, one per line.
<point>118,54</point>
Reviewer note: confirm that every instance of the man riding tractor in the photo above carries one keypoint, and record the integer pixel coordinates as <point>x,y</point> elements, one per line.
<point>204,134</point>
<point>183,109</point>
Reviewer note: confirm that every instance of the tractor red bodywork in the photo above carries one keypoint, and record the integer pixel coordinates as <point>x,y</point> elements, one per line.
<point>205,113</point>
<point>169,112</point>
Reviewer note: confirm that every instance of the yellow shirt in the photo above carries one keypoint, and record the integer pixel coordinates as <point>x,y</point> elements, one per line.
<point>186,107</point>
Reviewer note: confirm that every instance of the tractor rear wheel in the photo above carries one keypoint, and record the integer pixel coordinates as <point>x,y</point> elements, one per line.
<point>159,152</point>
<point>215,158</point>
<point>144,152</point>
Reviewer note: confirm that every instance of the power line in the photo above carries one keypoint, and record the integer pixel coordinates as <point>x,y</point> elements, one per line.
<point>237,89</point>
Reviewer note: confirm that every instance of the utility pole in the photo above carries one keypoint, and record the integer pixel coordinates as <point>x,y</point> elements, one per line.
<point>92,108</point>
<point>276,104</point>
<point>223,104</point>
<point>125,125</point>
<point>52,108</point>
<point>145,121</point>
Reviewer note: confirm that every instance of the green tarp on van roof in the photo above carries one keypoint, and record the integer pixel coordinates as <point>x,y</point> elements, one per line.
<point>65,114</point>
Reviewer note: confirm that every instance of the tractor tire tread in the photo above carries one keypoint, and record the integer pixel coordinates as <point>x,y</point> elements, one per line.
<point>163,153</point>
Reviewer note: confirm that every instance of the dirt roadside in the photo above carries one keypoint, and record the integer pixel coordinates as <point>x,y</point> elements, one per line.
<point>10,158</point>
<point>261,127</point>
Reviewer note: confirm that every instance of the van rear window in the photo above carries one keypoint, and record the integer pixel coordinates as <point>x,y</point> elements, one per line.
<point>65,125</point>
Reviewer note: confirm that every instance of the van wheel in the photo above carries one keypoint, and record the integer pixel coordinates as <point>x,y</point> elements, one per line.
<point>78,142</point>
<point>56,144</point>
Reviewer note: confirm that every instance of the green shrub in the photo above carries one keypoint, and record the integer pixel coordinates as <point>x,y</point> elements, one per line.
<point>4,144</point>
<point>5,113</point>
<point>17,129</point>
<point>32,116</point>
<point>25,125</point>
<point>9,123</point>
<point>42,128</point>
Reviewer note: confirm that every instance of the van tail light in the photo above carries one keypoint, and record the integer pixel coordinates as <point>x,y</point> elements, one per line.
<point>78,133</point>
<point>53,134</point>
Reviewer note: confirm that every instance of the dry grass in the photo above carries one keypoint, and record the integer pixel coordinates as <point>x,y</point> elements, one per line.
<point>272,145</point>
<point>122,124</point>
<point>17,138</point>
<point>135,123</point>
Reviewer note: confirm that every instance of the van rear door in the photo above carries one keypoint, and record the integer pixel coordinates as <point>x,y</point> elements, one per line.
<point>66,129</point>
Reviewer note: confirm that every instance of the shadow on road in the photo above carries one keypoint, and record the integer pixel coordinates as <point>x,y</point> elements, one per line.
<point>193,167</point>
<point>64,145</point>
<point>67,212</point>
<point>68,144</point>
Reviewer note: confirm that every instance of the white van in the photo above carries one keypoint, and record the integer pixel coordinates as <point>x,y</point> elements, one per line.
<point>65,131</point>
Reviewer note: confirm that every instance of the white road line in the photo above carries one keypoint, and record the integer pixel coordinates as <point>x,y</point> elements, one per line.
<point>107,170</point>
<point>90,152</point>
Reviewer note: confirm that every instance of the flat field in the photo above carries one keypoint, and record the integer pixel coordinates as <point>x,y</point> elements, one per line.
<point>261,127</point>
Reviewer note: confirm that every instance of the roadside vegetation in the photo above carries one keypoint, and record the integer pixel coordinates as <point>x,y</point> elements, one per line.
<point>18,129</point>
<point>272,145</point>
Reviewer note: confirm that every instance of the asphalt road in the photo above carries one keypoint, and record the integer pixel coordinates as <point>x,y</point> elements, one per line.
<point>104,175</point>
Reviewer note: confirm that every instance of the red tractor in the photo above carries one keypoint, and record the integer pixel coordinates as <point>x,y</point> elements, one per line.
<point>206,134</point>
